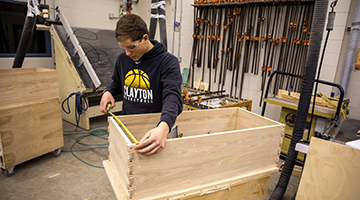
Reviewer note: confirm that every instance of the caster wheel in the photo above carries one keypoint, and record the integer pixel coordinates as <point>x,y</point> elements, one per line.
<point>9,172</point>
<point>57,152</point>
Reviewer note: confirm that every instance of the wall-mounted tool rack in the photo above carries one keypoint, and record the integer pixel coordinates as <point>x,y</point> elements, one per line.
<point>234,38</point>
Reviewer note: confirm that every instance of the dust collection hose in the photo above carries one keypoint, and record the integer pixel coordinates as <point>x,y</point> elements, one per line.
<point>317,28</point>
<point>27,32</point>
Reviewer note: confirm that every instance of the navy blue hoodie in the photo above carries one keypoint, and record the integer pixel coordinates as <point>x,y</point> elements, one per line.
<point>150,85</point>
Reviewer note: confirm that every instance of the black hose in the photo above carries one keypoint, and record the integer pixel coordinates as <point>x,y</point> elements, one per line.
<point>318,24</point>
<point>26,34</point>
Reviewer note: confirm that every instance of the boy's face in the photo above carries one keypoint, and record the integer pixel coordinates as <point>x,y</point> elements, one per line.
<point>134,49</point>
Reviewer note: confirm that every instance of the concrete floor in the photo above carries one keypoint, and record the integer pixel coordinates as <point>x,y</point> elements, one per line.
<point>65,177</point>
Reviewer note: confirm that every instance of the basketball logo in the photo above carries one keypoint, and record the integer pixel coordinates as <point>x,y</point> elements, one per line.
<point>137,78</point>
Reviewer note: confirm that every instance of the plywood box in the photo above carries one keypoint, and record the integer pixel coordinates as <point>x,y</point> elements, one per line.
<point>221,148</point>
<point>30,114</point>
<point>331,171</point>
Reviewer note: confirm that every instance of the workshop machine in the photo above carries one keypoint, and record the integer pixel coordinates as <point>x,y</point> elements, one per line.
<point>85,60</point>
<point>325,122</point>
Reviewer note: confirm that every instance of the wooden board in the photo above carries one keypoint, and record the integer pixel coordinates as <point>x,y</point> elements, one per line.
<point>198,160</point>
<point>296,96</point>
<point>246,120</point>
<point>31,83</point>
<point>204,160</point>
<point>30,131</point>
<point>331,171</point>
<point>242,103</point>
<point>251,187</point>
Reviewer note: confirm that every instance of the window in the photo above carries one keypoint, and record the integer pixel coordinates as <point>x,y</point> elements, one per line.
<point>12,18</point>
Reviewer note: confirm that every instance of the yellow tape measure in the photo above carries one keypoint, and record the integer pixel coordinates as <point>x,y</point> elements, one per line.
<point>117,119</point>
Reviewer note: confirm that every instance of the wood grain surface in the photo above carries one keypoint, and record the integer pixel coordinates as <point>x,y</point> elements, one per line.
<point>331,171</point>
<point>213,152</point>
<point>24,85</point>
<point>30,131</point>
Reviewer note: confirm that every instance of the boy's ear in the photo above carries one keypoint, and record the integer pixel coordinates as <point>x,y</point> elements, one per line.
<point>145,37</point>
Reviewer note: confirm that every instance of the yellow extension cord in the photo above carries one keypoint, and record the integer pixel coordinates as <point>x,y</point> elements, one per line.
<point>328,99</point>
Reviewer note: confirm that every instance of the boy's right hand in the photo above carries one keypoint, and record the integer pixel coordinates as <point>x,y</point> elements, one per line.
<point>105,100</point>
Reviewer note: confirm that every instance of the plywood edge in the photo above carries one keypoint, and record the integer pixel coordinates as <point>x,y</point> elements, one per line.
<point>213,187</point>
<point>12,105</point>
<point>64,65</point>
<point>114,181</point>
<point>25,70</point>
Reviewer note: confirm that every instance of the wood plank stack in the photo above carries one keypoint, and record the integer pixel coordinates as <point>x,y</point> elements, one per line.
<point>296,96</point>
<point>30,114</point>
<point>221,151</point>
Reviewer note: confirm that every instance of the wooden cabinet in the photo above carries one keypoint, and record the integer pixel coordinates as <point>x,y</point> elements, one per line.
<point>30,114</point>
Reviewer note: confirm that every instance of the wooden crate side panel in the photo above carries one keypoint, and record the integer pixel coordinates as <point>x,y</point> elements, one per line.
<point>202,122</point>
<point>246,119</point>
<point>138,125</point>
<point>35,85</point>
<point>189,162</point>
<point>215,187</point>
<point>120,157</point>
<point>189,122</point>
<point>30,131</point>
<point>208,191</point>
<point>331,172</point>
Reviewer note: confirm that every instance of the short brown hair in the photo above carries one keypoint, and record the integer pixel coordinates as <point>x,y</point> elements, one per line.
<point>130,26</point>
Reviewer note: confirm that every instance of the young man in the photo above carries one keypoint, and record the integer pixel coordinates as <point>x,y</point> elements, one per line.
<point>148,77</point>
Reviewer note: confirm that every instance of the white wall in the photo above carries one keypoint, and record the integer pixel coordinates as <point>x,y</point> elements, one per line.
<point>89,13</point>
<point>354,83</point>
<point>95,14</point>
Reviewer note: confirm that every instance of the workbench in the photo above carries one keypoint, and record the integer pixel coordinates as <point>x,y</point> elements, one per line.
<point>241,103</point>
<point>195,99</point>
